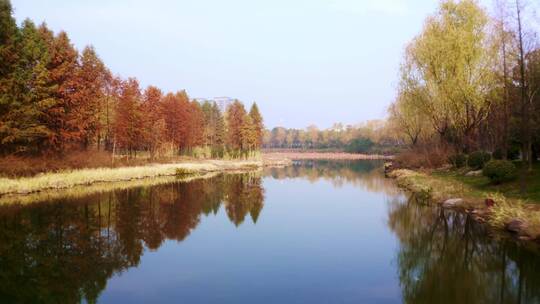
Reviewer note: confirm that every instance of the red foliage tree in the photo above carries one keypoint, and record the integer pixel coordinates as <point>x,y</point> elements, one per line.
<point>153,120</point>
<point>128,127</point>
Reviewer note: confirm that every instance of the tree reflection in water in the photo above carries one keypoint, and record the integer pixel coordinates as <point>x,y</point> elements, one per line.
<point>64,251</point>
<point>366,174</point>
<point>447,257</point>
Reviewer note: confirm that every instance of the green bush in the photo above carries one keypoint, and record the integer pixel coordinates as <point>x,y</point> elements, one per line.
<point>499,171</point>
<point>458,160</point>
<point>478,159</point>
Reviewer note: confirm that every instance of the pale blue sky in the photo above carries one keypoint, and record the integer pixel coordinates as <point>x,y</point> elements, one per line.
<point>304,62</point>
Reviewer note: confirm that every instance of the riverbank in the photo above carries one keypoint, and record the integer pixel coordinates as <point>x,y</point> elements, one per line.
<point>85,177</point>
<point>502,213</point>
<point>325,156</point>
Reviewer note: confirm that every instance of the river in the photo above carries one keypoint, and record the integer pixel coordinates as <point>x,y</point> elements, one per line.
<point>314,232</point>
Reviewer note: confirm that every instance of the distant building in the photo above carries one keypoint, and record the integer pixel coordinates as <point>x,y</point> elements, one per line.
<point>222,102</point>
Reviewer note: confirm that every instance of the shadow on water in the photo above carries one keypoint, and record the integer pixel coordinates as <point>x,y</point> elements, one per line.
<point>66,250</point>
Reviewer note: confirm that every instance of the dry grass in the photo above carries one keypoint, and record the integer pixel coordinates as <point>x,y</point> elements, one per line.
<point>81,191</point>
<point>506,210</point>
<point>18,166</point>
<point>72,178</point>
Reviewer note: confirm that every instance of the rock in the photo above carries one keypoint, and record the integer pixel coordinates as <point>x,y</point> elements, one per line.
<point>453,202</point>
<point>388,167</point>
<point>516,226</point>
<point>474,173</point>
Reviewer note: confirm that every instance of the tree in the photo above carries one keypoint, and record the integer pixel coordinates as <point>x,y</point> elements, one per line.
<point>236,116</point>
<point>90,116</point>
<point>54,100</point>
<point>248,134</point>
<point>60,117</point>
<point>153,121</point>
<point>129,117</point>
<point>22,129</point>
<point>9,56</point>
<point>407,113</point>
<point>258,125</point>
<point>452,62</point>
<point>9,38</point>
<point>214,127</point>
<point>195,125</point>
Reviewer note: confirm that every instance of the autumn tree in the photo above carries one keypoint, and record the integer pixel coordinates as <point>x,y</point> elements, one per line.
<point>129,117</point>
<point>214,127</point>
<point>61,115</point>
<point>258,125</point>
<point>236,116</point>
<point>154,125</point>
<point>54,100</point>
<point>248,134</point>
<point>91,114</point>
<point>195,126</point>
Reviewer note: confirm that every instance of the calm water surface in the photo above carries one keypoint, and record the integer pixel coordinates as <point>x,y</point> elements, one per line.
<point>315,232</point>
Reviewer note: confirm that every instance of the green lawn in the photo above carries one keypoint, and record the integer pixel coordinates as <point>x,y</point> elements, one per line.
<point>509,189</point>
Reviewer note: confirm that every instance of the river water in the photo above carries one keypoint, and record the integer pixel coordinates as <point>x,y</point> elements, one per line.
<point>314,232</point>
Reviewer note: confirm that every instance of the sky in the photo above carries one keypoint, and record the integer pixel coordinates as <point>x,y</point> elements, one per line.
<point>303,62</point>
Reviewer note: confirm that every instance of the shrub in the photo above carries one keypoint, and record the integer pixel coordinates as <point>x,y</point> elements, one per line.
<point>499,171</point>
<point>458,160</point>
<point>478,159</point>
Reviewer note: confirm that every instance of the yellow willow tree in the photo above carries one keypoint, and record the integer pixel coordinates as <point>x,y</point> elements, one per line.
<point>451,62</point>
<point>408,117</point>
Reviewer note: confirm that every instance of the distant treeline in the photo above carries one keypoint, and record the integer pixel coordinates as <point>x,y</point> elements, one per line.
<point>471,81</point>
<point>54,100</point>
<point>371,137</point>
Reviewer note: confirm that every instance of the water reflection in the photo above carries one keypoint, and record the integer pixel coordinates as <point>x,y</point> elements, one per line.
<point>64,251</point>
<point>328,238</point>
<point>364,174</point>
<point>447,257</point>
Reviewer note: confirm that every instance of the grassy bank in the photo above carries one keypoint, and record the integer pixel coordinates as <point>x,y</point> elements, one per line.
<point>74,178</point>
<point>509,189</point>
<point>508,213</point>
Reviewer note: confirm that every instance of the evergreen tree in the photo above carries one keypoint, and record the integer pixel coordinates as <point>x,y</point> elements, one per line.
<point>22,129</point>
<point>9,38</point>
